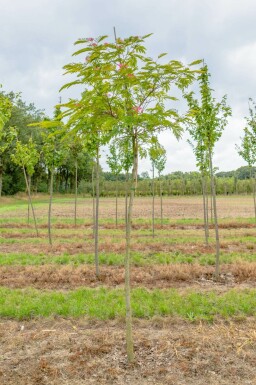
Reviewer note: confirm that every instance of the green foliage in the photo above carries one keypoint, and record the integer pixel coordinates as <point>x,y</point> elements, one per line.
<point>125,92</point>
<point>5,112</point>
<point>113,160</point>
<point>26,155</point>
<point>247,149</point>
<point>208,120</point>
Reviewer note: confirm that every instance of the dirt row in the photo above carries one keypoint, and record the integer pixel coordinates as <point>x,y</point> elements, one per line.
<point>109,245</point>
<point>156,276</point>
<point>168,351</point>
<point>135,226</point>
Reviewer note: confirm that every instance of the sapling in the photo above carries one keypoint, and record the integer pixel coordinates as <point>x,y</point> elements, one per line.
<point>27,156</point>
<point>209,119</point>
<point>126,97</point>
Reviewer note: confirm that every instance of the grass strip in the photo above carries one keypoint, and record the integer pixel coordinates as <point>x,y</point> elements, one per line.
<point>106,304</point>
<point>114,259</point>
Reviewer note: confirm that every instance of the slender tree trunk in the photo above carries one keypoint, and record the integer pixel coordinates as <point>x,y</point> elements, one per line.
<point>211,202</point>
<point>116,198</point>
<point>253,192</point>
<point>254,197</point>
<point>29,186</point>
<point>129,336</point>
<point>30,200</point>
<point>161,201</point>
<point>126,198</point>
<point>153,200</point>
<point>205,205</point>
<point>93,201</point>
<point>96,234</point>
<point>217,265</point>
<point>75,192</point>
<point>50,208</point>
<point>1,178</point>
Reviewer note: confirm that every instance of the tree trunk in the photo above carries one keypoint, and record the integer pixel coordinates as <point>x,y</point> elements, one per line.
<point>116,198</point>
<point>254,197</point>
<point>217,264</point>
<point>253,192</point>
<point>161,201</point>
<point>126,198</point>
<point>50,208</point>
<point>96,233</point>
<point>153,200</point>
<point>93,202</point>
<point>205,206</point>
<point>29,187</point>
<point>75,192</point>
<point>30,200</point>
<point>1,179</point>
<point>129,336</point>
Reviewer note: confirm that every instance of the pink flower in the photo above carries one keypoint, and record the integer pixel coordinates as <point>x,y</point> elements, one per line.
<point>138,109</point>
<point>90,39</point>
<point>121,65</point>
<point>93,45</point>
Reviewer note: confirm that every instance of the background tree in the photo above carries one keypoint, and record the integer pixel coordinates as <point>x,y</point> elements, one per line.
<point>76,149</point>
<point>209,119</point>
<point>156,152</point>
<point>114,163</point>
<point>54,153</point>
<point>160,163</point>
<point>5,138</point>
<point>27,156</point>
<point>247,151</point>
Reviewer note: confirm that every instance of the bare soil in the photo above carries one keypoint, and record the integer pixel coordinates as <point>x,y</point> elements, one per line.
<point>173,207</point>
<point>168,351</point>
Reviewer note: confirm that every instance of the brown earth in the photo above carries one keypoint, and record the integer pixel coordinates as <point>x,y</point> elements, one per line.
<point>173,207</point>
<point>155,276</point>
<point>168,352</point>
<point>109,245</point>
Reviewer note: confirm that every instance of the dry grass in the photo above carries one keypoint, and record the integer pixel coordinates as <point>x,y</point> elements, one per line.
<point>167,352</point>
<point>156,276</point>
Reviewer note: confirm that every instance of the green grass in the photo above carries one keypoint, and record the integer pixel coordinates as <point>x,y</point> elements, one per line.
<point>108,304</point>
<point>137,258</point>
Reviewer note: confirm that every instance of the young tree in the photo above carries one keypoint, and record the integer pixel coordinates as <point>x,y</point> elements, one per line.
<point>5,134</point>
<point>27,156</point>
<point>209,119</point>
<point>160,163</point>
<point>54,153</point>
<point>129,93</point>
<point>157,157</point>
<point>247,151</point>
<point>114,163</point>
<point>75,148</point>
<point>201,155</point>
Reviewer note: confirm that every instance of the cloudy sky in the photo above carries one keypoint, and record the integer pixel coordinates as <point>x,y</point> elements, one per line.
<point>36,40</point>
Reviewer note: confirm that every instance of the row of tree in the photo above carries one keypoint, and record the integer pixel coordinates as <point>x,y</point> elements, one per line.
<point>176,183</point>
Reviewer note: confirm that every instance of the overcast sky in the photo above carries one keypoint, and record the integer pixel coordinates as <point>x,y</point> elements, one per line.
<point>36,40</point>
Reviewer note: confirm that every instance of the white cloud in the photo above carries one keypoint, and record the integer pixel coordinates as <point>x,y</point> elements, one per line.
<point>37,40</point>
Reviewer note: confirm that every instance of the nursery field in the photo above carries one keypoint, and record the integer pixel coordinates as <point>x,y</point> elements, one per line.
<point>59,324</point>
